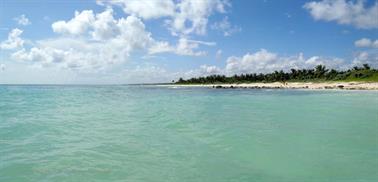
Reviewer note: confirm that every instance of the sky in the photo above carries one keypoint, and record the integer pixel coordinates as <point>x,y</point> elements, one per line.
<point>154,41</point>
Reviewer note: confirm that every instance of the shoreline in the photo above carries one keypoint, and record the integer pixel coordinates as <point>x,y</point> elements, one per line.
<point>290,85</point>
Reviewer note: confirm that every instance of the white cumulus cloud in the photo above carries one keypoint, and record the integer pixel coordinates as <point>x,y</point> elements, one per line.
<point>192,16</point>
<point>14,40</point>
<point>22,20</point>
<point>345,12</point>
<point>366,57</point>
<point>112,42</point>
<point>365,42</point>
<point>182,17</point>
<point>77,25</point>
<point>92,41</point>
<point>203,70</point>
<point>104,26</point>
<point>145,9</point>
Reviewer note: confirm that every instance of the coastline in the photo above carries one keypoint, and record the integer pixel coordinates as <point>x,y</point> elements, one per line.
<point>290,85</point>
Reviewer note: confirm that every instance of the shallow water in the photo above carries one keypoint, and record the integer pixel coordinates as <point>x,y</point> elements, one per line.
<point>149,133</point>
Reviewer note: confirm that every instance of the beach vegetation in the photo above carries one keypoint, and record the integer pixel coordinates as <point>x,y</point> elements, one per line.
<point>318,74</point>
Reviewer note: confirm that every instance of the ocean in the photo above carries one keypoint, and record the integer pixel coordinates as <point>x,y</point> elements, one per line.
<point>160,133</point>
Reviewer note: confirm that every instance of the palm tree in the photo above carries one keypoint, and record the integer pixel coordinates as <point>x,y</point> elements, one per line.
<point>320,71</point>
<point>366,66</point>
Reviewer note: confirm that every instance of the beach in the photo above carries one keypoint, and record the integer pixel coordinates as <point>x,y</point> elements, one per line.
<point>292,85</point>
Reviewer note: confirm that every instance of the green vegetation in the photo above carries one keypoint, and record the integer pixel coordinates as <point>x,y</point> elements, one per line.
<point>319,74</point>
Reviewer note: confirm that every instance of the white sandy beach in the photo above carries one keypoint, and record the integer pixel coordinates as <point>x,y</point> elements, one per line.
<point>293,85</point>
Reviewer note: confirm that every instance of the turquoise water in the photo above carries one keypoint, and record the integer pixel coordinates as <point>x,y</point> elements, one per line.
<point>149,133</point>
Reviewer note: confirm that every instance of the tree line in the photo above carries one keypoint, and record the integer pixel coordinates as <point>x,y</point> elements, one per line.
<point>319,73</point>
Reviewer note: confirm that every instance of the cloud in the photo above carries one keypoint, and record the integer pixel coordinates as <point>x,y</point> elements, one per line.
<point>112,41</point>
<point>210,70</point>
<point>48,56</point>
<point>14,40</point>
<point>98,42</point>
<point>184,47</point>
<point>82,54</point>
<point>192,16</point>
<point>366,57</point>
<point>147,74</point>
<point>365,42</point>
<point>226,27</point>
<point>100,26</point>
<point>156,74</point>
<point>22,20</point>
<point>264,61</point>
<point>182,17</point>
<point>90,42</point>
<point>203,70</point>
<point>105,26</point>
<point>369,55</point>
<point>145,9</point>
<point>2,67</point>
<point>77,25</point>
<point>345,12</point>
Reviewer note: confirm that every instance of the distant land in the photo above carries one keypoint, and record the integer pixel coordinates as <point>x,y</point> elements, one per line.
<point>319,74</point>
<point>361,78</point>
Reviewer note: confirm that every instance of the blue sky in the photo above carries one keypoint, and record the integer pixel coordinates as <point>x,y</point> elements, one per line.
<point>129,41</point>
